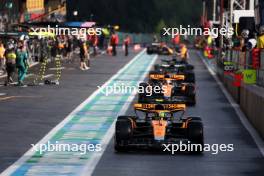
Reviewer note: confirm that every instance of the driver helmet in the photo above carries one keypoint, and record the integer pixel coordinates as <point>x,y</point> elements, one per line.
<point>245,33</point>
<point>168,82</point>
<point>162,114</point>
<point>261,30</point>
<point>10,46</point>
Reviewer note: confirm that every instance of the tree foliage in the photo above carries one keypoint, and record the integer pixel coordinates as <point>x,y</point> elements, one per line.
<point>137,15</point>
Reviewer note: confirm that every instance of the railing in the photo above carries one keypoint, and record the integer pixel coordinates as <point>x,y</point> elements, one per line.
<point>243,61</point>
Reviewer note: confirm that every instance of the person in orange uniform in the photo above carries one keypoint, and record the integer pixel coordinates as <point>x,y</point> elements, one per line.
<point>2,57</point>
<point>176,40</point>
<point>114,42</point>
<point>127,41</point>
<point>184,55</point>
<point>94,42</point>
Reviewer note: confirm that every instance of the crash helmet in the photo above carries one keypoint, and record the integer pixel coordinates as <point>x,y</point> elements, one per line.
<point>10,46</point>
<point>22,37</point>
<point>168,82</point>
<point>245,33</point>
<point>261,30</point>
<point>20,44</point>
<point>162,114</point>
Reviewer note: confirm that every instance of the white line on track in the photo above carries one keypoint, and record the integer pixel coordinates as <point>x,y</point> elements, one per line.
<point>244,120</point>
<point>48,76</point>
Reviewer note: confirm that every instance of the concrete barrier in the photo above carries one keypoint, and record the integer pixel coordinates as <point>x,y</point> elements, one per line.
<point>250,98</point>
<point>252,103</point>
<point>234,91</point>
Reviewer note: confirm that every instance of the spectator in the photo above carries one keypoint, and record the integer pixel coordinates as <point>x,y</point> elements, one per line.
<point>260,40</point>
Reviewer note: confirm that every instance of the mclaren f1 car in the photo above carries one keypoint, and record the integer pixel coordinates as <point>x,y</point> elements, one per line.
<point>164,88</point>
<point>156,125</point>
<point>176,67</point>
<point>159,48</point>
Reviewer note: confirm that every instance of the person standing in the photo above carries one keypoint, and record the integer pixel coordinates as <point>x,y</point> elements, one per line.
<point>94,43</point>
<point>2,57</point>
<point>114,42</point>
<point>69,48</point>
<point>10,56</point>
<point>84,54</point>
<point>184,55</point>
<point>260,39</point>
<point>21,63</point>
<point>126,43</point>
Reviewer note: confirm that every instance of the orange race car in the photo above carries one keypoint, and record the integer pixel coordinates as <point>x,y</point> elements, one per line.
<point>159,48</point>
<point>174,88</point>
<point>156,125</point>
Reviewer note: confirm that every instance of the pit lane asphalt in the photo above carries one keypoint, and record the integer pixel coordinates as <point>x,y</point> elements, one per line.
<point>222,126</point>
<point>27,114</point>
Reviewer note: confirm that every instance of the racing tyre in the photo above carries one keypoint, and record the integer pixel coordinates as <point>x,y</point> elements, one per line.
<point>190,93</point>
<point>156,67</point>
<point>123,132</point>
<point>149,51</point>
<point>192,101</point>
<point>195,135</point>
<point>190,77</point>
<point>142,97</point>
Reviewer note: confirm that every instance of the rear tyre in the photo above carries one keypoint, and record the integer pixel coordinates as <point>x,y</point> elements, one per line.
<point>192,101</point>
<point>156,67</point>
<point>142,96</point>
<point>190,92</point>
<point>190,77</point>
<point>195,135</point>
<point>123,132</point>
<point>149,51</point>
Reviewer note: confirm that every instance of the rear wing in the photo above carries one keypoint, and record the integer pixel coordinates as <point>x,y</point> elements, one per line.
<point>153,107</point>
<point>167,77</point>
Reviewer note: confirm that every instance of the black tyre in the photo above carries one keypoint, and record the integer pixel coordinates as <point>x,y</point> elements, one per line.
<point>149,51</point>
<point>123,132</point>
<point>190,93</point>
<point>156,67</point>
<point>142,96</point>
<point>195,135</point>
<point>190,77</point>
<point>190,90</point>
<point>193,100</point>
<point>189,67</point>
